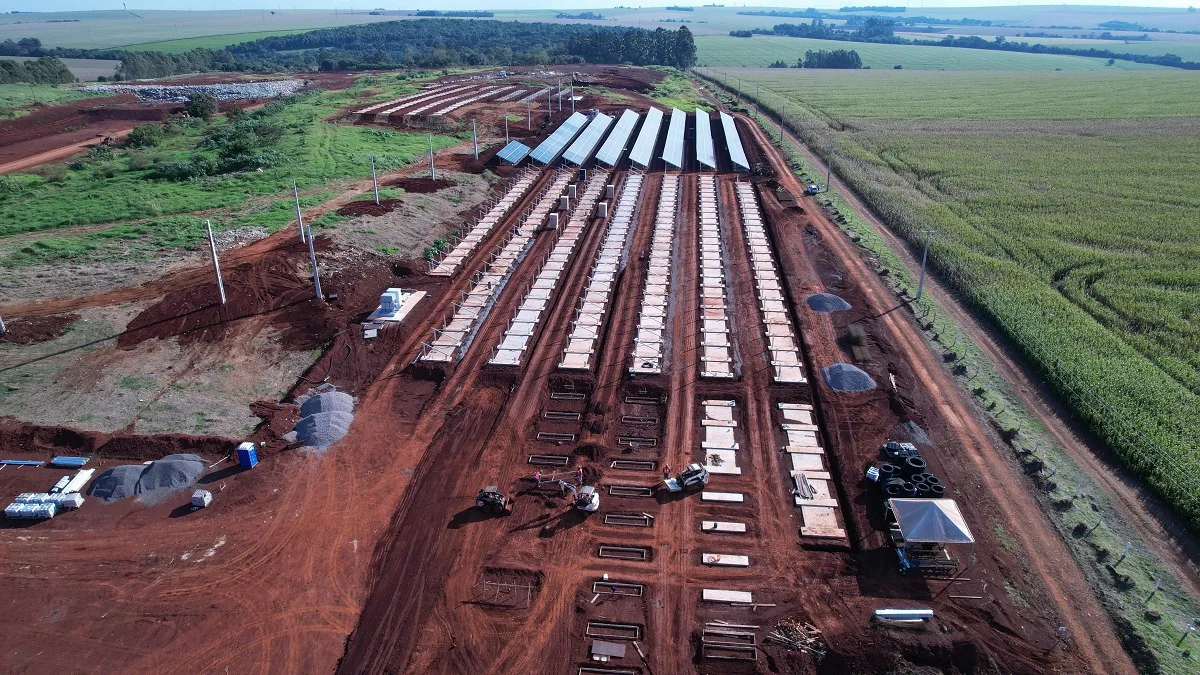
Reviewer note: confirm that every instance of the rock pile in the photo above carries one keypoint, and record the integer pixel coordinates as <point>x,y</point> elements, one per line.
<point>223,92</point>
<point>845,377</point>
<point>150,482</point>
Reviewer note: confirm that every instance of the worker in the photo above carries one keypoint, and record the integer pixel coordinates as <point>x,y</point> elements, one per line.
<point>537,478</point>
<point>666,471</point>
<point>580,479</point>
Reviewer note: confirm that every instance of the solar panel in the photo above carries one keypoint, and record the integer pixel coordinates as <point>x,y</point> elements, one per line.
<point>704,143</point>
<point>737,154</point>
<point>514,152</point>
<point>548,150</point>
<point>647,139</point>
<point>583,147</point>
<point>673,151</point>
<point>610,152</point>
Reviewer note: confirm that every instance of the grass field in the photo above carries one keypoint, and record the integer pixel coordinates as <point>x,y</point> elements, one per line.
<point>208,41</point>
<point>143,215</point>
<point>1187,49</point>
<point>15,96</point>
<point>102,29</point>
<point>762,50</point>
<point>1070,226</point>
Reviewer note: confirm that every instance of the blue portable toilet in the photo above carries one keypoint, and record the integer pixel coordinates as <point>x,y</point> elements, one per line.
<point>247,455</point>
<point>582,175</point>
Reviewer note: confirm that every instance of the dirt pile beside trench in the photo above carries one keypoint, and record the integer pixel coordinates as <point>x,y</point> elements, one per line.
<point>370,208</point>
<point>34,329</point>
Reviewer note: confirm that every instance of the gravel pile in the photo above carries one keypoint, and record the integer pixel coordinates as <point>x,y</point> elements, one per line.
<point>239,236</point>
<point>223,92</point>
<point>326,416</point>
<point>827,302</point>
<point>845,377</point>
<point>150,482</point>
<point>910,432</point>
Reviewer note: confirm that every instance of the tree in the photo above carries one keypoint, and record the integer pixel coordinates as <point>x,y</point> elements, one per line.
<point>685,48</point>
<point>144,136</point>
<point>203,106</point>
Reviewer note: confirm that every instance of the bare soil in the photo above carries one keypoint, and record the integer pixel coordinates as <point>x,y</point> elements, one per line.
<point>370,208</point>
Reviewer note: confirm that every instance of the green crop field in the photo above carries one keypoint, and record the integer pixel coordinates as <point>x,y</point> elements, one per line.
<point>762,50</point>
<point>1064,207</point>
<point>13,97</point>
<point>208,41</point>
<point>140,214</point>
<point>1187,49</point>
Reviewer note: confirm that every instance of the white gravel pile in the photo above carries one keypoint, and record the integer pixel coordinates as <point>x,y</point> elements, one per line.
<point>150,482</point>
<point>223,92</point>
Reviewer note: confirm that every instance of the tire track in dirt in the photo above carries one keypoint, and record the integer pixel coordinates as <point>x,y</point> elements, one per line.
<point>1096,641</point>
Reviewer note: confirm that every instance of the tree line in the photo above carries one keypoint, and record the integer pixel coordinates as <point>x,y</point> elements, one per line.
<point>428,43</point>
<point>44,70</point>
<point>882,31</point>
<point>821,58</point>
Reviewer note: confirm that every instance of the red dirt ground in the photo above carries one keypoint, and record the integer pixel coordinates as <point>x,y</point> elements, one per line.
<point>307,549</point>
<point>34,329</point>
<point>418,185</point>
<point>370,208</point>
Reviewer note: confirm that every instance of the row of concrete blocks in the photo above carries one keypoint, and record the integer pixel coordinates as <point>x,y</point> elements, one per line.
<point>516,338</point>
<point>780,338</point>
<point>469,100</point>
<point>589,317</point>
<point>716,350</point>
<point>648,346</point>
<point>812,488</point>
<point>383,115</point>
<point>464,248</point>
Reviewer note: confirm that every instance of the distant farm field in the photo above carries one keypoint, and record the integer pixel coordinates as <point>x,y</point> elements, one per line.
<point>208,41</point>
<point>763,50</point>
<point>1186,49</point>
<point>1064,207</point>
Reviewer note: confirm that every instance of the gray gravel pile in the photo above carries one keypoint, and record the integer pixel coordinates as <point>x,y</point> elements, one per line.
<point>329,401</point>
<point>910,432</point>
<point>845,377</point>
<point>323,429</point>
<point>239,236</point>
<point>223,92</point>
<point>151,482</point>
<point>827,302</point>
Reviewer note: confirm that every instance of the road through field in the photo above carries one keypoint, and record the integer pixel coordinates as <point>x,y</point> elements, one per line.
<point>1094,637</point>
<point>1164,533</point>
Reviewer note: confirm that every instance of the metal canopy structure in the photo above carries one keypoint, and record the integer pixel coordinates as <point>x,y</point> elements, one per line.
<point>583,147</point>
<point>737,154</point>
<point>647,138</point>
<point>673,150</point>
<point>704,143</point>
<point>618,140</point>
<point>514,152</point>
<point>935,521</point>
<point>549,150</point>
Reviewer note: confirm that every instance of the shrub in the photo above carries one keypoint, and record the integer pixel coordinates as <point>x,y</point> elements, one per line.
<point>105,170</point>
<point>202,106</point>
<point>54,173</point>
<point>197,167</point>
<point>139,161</point>
<point>145,136</point>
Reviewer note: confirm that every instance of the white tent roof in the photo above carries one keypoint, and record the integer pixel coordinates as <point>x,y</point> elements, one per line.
<point>931,521</point>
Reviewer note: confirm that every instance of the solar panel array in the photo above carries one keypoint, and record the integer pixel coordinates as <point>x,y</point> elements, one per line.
<point>548,150</point>
<point>583,147</point>
<point>673,150</point>
<point>704,144</point>
<point>618,140</point>
<point>647,138</point>
<point>514,152</point>
<point>737,154</point>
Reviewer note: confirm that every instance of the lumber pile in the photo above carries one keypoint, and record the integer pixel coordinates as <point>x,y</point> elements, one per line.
<point>798,636</point>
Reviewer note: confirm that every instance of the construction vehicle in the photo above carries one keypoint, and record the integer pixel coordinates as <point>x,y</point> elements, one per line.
<point>693,476</point>
<point>584,498</point>
<point>493,501</point>
<point>897,450</point>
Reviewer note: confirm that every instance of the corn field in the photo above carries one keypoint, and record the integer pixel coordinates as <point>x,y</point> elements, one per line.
<point>1073,228</point>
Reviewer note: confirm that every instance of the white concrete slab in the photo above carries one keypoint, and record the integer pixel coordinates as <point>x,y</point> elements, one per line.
<point>717,595</point>
<point>728,497</point>
<point>725,560</point>
<point>722,526</point>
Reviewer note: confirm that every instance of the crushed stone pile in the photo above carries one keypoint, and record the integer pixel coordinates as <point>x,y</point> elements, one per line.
<point>845,377</point>
<point>223,92</point>
<point>910,432</point>
<point>150,482</point>
<point>827,302</point>
<point>326,415</point>
<point>328,401</point>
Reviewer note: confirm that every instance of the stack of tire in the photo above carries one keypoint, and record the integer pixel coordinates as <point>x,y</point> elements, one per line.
<point>909,480</point>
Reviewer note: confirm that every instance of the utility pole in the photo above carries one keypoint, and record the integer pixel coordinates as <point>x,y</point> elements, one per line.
<point>432,172</point>
<point>529,116</point>
<point>374,181</point>
<point>560,96</point>
<point>312,257</point>
<point>829,163</point>
<point>299,218</point>
<point>924,257</point>
<point>212,244</point>
<point>506,141</point>
<point>474,139</point>
<point>549,105</point>
<point>572,96</point>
